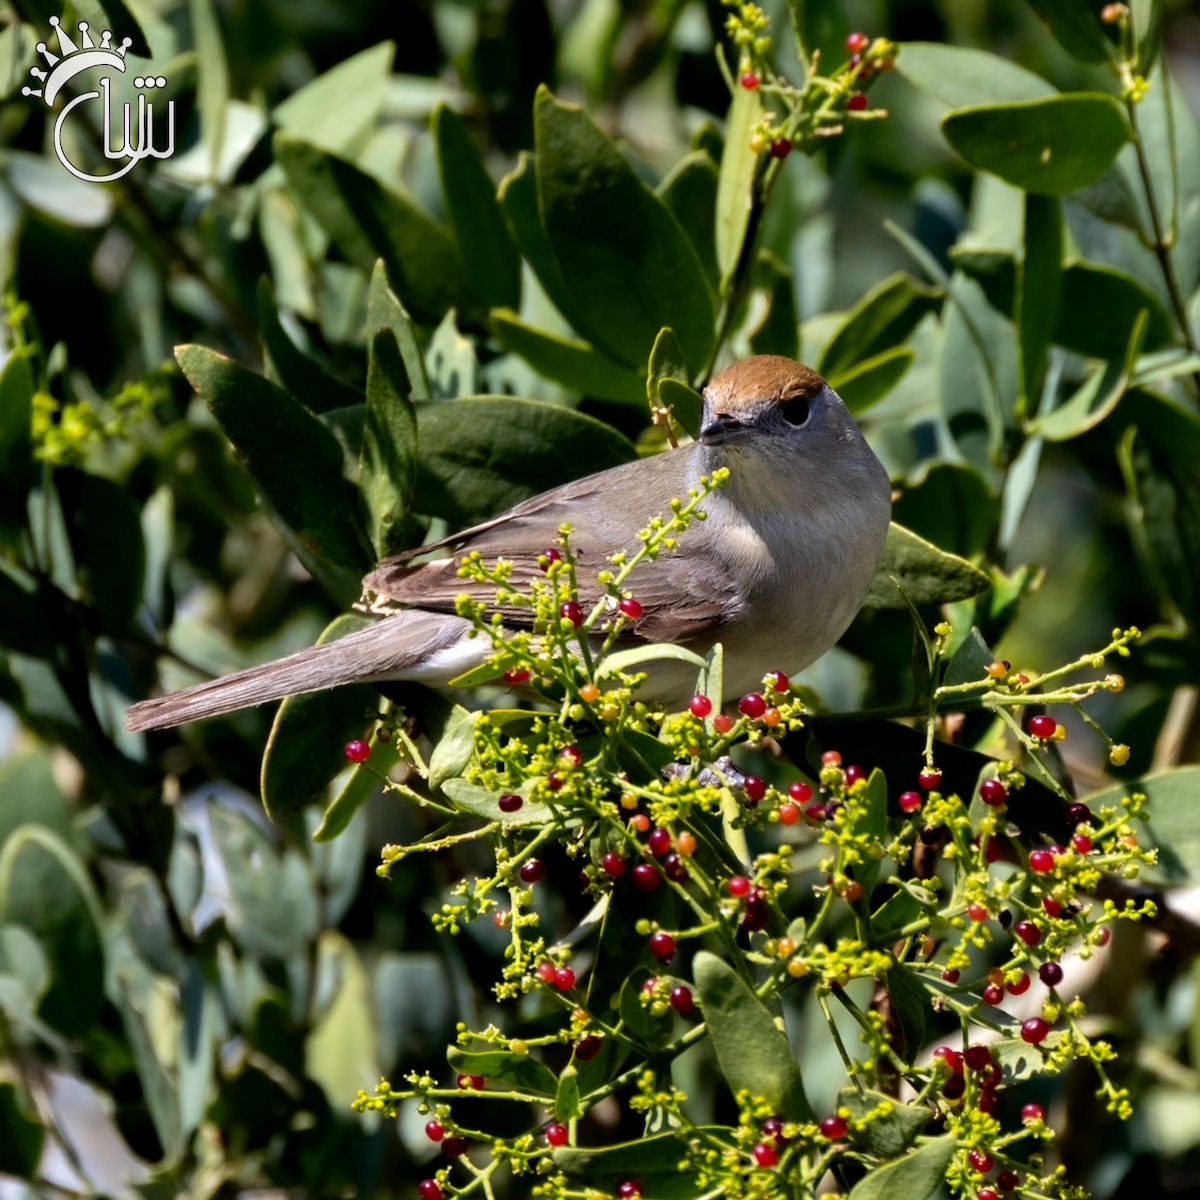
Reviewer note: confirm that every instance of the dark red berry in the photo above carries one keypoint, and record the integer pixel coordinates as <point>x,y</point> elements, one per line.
<point>1019,986</point>
<point>981,1160</point>
<point>564,979</point>
<point>991,1102</point>
<point>1052,907</point>
<point>357,751</point>
<point>472,1082</point>
<point>800,791</point>
<point>554,781</point>
<point>551,556</point>
<point>1035,1030</point>
<point>509,802</point>
<point>629,1190</point>
<point>752,705</point>
<point>1078,814</point>
<point>434,1131</point>
<point>977,912</point>
<point>1042,726</point>
<point>722,723</point>
<point>993,994</point>
<point>834,1128</point>
<point>1006,1181</point>
<point>854,774</point>
<point>755,916</point>
<point>991,850</point>
<point>674,869</point>
<point>1032,1112</point>
<point>700,706</point>
<point>658,842</point>
<point>951,974</point>
<point>990,1077</point>
<point>532,871</point>
<point>453,1147</point>
<point>588,1047</point>
<point>630,607</point>
<point>777,681</point>
<point>613,864</point>
<point>1103,936</point>
<point>856,102</point>
<point>765,1155</point>
<point>749,80</point>
<point>930,778</point>
<point>857,42</point>
<point>570,610</point>
<point>954,1088</point>
<point>816,812</point>
<point>755,789</point>
<point>681,1000</point>
<point>516,675</point>
<point>950,1058</point>
<point>662,946</point>
<point>429,1189</point>
<point>1051,974</point>
<point>781,147</point>
<point>977,1057</point>
<point>1041,861</point>
<point>556,1134</point>
<point>1028,932</point>
<point>737,885</point>
<point>909,802</point>
<point>772,1127</point>
<point>992,792</point>
<point>1082,844</point>
<point>646,878</point>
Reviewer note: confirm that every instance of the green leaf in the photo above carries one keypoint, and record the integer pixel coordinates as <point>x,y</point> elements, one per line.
<point>303,378</point>
<point>779,331</point>
<point>568,1105</point>
<point>1039,286</point>
<point>667,385</point>
<point>490,259</point>
<point>881,319</point>
<point>950,505</point>
<point>686,405</point>
<point>690,192</point>
<point>304,749</point>
<point>901,908</point>
<point>480,802</point>
<point>1076,26</point>
<point>16,415</point>
<point>31,794</point>
<point>630,660</point>
<point>384,311</point>
<point>388,470</point>
<point>338,110</point>
<point>24,627</point>
<point>1101,304</point>
<point>655,1161</point>
<point>358,789</point>
<point>212,94</point>
<point>368,221</point>
<point>1098,396</point>
<point>957,76</point>
<point>629,265</point>
<point>926,574</point>
<point>481,454</point>
<point>521,1071</point>
<point>735,182</point>
<point>21,1131</point>
<point>910,1000</point>
<point>1050,147</point>
<point>574,364</point>
<point>752,1050</point>
<point>869,381</point>
<point>134,996</point>
<point>916,1176</point>
<point>106,534</point>
<point>1170,819</point>
<point>295,460</point>
<point>45,887</point>
<point>454,749</point>
<point>888,1135</point>
<point>340,1051</point>
<point>873,826</point>
<point>970,661</point>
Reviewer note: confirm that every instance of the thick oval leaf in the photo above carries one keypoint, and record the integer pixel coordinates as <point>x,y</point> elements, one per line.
<point>574,364</point>
<point>957,76</point>
<point>621,252</point>
<point>522,1071</point>
<point>910,1001</point>
<point>453,751</point>
<point>490,260</point>
<point>690,192</point>
<point>653,1161</point>
<point>869,381</point>
<point>388,458</point>
<point>926,574</point>
<point>384,311</point>
<point>752,1050</point>
<point>888,1135</point>
<point>950,505</point>
<point>304,750</point>
<point>295,460</point>
<point>916,1176</point>
<point>477,800</point>
<point>883,318</point>
<point>481,454</point>
<point>735,182</point>
<point>1050,147</point>
<point>1039,289</point>
<point>1077,27</point>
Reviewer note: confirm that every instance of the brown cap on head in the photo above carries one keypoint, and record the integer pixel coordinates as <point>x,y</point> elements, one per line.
<point>754,382</point>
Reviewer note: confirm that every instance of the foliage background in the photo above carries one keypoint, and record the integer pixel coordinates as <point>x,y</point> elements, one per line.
<point>190,995</point>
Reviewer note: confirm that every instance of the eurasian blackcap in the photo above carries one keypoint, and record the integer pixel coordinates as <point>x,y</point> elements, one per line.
<point>776,573</point>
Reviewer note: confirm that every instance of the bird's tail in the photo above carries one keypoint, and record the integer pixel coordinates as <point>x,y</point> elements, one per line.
<point>381,651</point>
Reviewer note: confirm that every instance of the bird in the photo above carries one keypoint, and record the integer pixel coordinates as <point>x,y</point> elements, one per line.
<point>775,573</point>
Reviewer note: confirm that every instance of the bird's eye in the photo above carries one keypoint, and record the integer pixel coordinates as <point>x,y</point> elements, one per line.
<point>795,411</point>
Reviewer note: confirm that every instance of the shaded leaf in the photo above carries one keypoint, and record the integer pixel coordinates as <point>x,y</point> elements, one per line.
<point>958,76</point>
<point>480,802</point>
<point>1050,146</point>
<point>869,381</point>
<point>690,192</point>
<point>654,1161</point>
<point>454,748</point>
<point>950,505</point>
<point>21,1132</point>
<point>910,1002</point>
<point>384,311</point>
<point>1076,26</point>
<point>1170,820</point>
<point>1039,286</point>
<point>159,1090</point>
<point>881,319</point>
<point>388,458</point>
<point>522,1071</point>
<point>970,661</point>
<point>926,574</point>
<point>916,1176</point>
<point>888,1135</point>
<point>212,94</point>
<point>779,332</point>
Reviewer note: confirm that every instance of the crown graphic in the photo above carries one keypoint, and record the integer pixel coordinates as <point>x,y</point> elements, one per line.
<point>72,59</point>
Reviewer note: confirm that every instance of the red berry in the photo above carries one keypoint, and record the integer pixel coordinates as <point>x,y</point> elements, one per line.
<point>1082,844</point>
<point>857,42</point>
<point>1034,1030</point>
<point>749,80</point>
<point>473,1082</point>
<point>1033,1112</point>
<point>681,1000</point>
<point>1052,907</point>
<point>909,802</point>
<point>952,1059</point>
<point>551,556</point>
<point>991,1102</point>
<point>357,751</point>
<point>630,607</point>
<point>816,812</point>
<point>674,869</point>
<point>659,842</point>
<point>987,1193</point>
<point>954,1088</point>
<point>629,1190</point>
<point>570,757</point>
<point>1020,986</point>
<point>570,610</point>
<point>977,1057</point>
<point>777,681</point>
<point>951,974</point>
<point>1042,726</point>
<point>564,979</point>
<point>856,102</point>
<point>588,1047</point>
<point>1103,936</point>
<point>800,791</point>
<point>990,1077</point>
<point>556,1134</point>
<point>991,850</point>
<point>929,778</point>
<point>755,917</point>
<point>722,723</point>
<point>546,971</point>
<point>831,758</point>
<point>992,792</point>
<point>1078,814</point>
<point>646,878</point>
<point>1007,1180</point>
<point>613,864</point>
<point>554,781</point>
<point>434,1131</point>
<point>772,1127</point>
<point>1051,974</point>
<point>429,1189</point>
<point>755,789</point>
<point>781,147</point>
<point>737,885</point>
<point>700,706</point>
<point>532,871</point>
<point>981,1160</point>
<point>854,774</point>
<point>662,946</point>
<point>834,1128</point>
<point>789,814</point>
<point>509,802</point>
<point>454,1147</point>
<point>1041,861</point>
<point>1028,932</point>
<point>993,994</point>
<point>977,912</point>
<point>765,1155</point>
<point>752,705</point>
<point>516,675</point>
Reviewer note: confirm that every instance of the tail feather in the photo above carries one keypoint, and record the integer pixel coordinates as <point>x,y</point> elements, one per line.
<point>381,651</point>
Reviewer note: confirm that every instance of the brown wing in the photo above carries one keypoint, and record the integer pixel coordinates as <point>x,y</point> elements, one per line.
<point>605,511</point>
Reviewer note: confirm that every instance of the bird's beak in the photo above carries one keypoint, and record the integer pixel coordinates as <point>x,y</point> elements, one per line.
<point>722,429</point>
